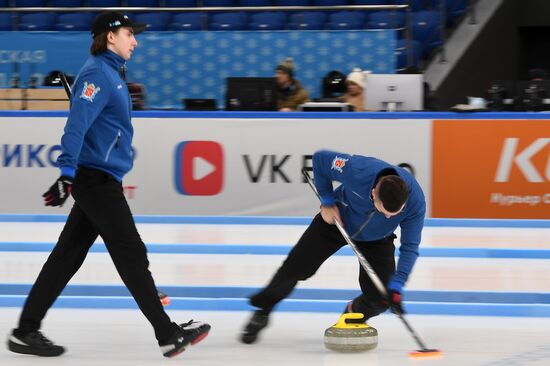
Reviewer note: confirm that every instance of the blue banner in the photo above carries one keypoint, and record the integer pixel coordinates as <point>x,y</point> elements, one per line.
<point>177,65</point>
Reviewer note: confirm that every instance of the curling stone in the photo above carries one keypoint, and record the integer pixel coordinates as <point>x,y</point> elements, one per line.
<point>351,337</point>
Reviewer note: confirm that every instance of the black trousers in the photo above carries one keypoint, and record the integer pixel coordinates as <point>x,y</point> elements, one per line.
<point>100,209</point>
<point>317,244</point>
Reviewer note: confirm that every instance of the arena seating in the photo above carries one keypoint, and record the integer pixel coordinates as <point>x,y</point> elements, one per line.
<point>425,25</point>
<point>402,50</point>
<point>74,21</point>
<point>67,3</point>
<point>229,21</point>
<point>30,3</point>
<point>143,3</point>
<point>5,21</point>
<point>187,21</point>
<point>36,22</point>
<point>387,20</point>
<point>103,3</point>
<point>328,20</point>
<point>312,20</point>
<point>255,3</point>
<point>346,20</point>
<point>268,20</point>
<point>180,3</point>
<point>156,21</point>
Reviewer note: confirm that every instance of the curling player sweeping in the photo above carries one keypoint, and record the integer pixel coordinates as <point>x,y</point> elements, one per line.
<point>372,200</point>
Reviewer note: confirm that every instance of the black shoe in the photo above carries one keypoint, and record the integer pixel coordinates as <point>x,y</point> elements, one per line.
<point>258,322</point>
<point>191,332</point>
<point>349,309</point>
<point>34,343</point>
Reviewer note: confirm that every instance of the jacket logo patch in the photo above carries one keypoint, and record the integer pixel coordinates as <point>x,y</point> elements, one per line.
<point>89,91</point>
<point>338,163</point>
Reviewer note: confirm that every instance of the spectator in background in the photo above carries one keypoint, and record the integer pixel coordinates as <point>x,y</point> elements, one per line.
<point>355,92</point>
<point>290,92</point>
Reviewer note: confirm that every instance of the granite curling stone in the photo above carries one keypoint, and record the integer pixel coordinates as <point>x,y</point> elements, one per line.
<point>351,337</point>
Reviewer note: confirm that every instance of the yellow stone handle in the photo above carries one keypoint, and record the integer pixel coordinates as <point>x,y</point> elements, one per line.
<point>341,323</point>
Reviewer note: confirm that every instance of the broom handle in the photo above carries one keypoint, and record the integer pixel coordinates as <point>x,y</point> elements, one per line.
<point>366,266</point>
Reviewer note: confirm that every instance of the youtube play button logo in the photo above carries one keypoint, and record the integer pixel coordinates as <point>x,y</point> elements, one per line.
<point>199,168</point>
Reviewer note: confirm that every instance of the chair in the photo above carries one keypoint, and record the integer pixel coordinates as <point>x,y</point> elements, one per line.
<point>255,2</point>
<point>143,3</point>
<point>67,3</point>
<point>180,3</point>
<point>402,49</point>
<point>269,20</point>
<point>369,2</point>
<point>387,20</point>
<point>29,3</point>
<point>426,29</point>
<point>218,3</point>
<point>330,2</point>
<point>229,21</point>
<point>415,5</point>
<point>36,22</point>
<point>103,3</point>
<point>74,21</point>
<point>346,20</point>
<point>157,21</point>
<point>454,9</point>
<point>292,2</point>
<point>188,21</point>
<point>307,20</point>
<point>6,22</point>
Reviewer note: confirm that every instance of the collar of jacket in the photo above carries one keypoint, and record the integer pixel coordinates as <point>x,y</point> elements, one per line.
<point>112,59</point>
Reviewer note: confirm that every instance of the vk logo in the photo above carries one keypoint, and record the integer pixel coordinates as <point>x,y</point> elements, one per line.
<point>199,168</point>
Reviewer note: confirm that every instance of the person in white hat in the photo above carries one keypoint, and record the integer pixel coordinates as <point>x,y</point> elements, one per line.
<point>355,93</point>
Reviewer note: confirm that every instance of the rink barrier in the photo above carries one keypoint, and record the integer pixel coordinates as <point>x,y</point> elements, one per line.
<point>282,220</point>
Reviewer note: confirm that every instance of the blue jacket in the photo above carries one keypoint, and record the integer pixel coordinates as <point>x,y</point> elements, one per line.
<point>357,175</point>
<point>99,132</point>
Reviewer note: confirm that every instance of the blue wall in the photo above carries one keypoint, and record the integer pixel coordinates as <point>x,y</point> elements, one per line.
<point>176,65</point>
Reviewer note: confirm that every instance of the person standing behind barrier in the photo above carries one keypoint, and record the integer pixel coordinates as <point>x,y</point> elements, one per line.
<point>290,92</point>
<point>96,154</point>
<point>355,90</point>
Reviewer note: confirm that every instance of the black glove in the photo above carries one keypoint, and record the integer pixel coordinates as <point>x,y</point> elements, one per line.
<point>59,191</point>
<point>394,302</point>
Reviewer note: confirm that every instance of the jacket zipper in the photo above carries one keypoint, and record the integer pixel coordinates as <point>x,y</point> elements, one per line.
<point>113,144</point>
<point>369,217</point>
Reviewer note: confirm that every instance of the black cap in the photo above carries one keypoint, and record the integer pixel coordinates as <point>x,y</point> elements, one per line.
<point>110,20</point>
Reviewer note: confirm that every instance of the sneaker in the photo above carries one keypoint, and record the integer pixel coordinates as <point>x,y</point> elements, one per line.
<point>164,299</point>
<point>34,343</point>
<point>191,332</point>
<point>258,322</point>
